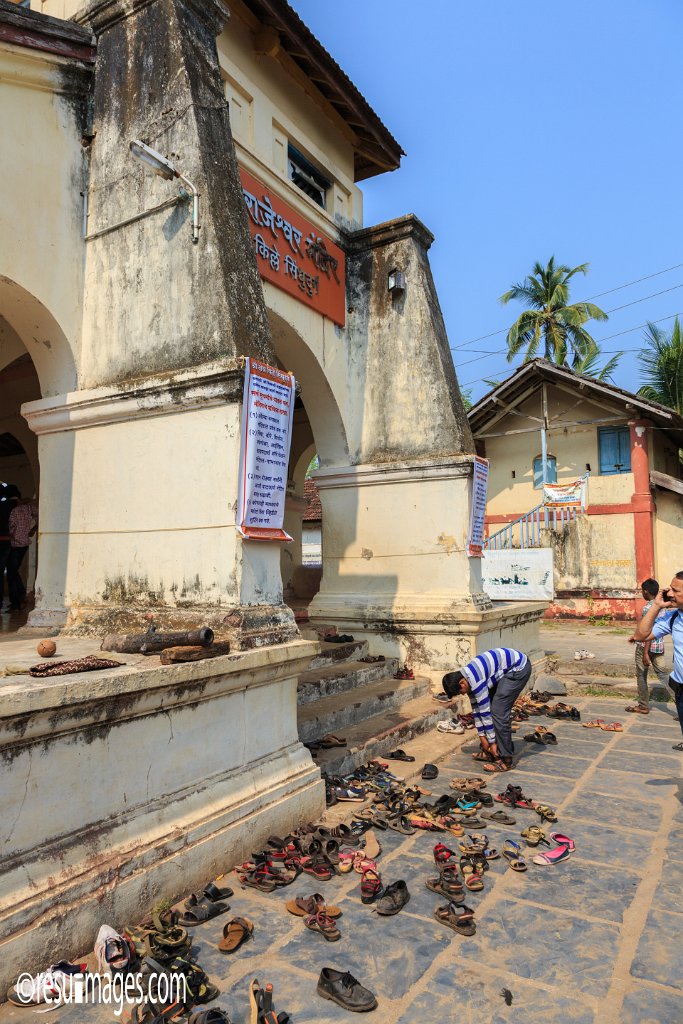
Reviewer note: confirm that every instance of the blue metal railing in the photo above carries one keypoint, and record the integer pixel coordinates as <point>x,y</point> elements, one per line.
<point>525,532</point>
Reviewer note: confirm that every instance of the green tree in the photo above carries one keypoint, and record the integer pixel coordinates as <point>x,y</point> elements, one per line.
<point>661,363</point>
<point>588,366</point>
<point>550,320</point>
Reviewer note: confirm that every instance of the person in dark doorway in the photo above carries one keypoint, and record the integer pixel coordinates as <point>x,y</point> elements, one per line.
<point>493,681</point>
<point>649,653</point>
<point>8,499</point>
<point>665,618</point>
<point>22,526</point>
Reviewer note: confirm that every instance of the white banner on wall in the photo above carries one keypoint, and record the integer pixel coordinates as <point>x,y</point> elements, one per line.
<point>264,454</point>
<point>518,574</point>
<point>480,478</point>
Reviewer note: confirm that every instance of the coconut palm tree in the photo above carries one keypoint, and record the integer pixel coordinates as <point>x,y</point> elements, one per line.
<point>550,320</point>
<point>662,366</point>
<point>588,366</point>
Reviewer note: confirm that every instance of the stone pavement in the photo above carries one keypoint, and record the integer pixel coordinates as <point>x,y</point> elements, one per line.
<point>596,939</point>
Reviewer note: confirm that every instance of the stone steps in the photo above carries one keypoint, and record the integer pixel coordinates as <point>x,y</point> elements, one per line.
<point>331,654</point>
<point>346,708</point>
<point>379,734</point>
<point>341,677</point>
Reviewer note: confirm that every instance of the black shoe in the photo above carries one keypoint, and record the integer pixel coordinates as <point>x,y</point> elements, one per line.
<point>393,899</point>
<point>343,989</point>
<point>485,799</point>
<point>430,771</point>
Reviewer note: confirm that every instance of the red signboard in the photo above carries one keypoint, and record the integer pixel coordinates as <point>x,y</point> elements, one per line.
<point>293,254</point>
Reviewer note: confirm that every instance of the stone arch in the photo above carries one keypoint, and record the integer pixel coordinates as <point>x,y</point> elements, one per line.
<point>25,323</point>
<point>317,395</point>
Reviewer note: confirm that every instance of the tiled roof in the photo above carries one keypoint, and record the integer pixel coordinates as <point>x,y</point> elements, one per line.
<point>314,510</point>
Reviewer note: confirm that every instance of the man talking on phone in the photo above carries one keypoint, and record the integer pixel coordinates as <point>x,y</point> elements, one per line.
<point>668,605</point>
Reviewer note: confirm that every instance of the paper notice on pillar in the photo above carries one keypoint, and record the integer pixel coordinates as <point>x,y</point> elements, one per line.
<point>267,413</point>
<point>480,479</point>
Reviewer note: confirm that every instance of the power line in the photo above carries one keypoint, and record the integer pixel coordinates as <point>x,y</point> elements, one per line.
<point>615,309</point>
<point>599,295</point>
<point>608,337</point>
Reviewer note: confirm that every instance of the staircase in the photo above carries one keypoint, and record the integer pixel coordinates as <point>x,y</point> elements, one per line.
<point>362,702</point>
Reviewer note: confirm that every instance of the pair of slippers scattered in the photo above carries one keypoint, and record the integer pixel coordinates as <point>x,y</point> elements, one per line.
<point>542,736</point>
<point>598,723</point>
<point>204,905</point>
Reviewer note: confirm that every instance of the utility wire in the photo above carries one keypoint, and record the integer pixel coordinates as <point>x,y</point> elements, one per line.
<point>608,337</point>
<point>620,287</point>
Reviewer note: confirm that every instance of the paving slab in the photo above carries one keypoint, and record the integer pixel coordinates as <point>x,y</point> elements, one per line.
<point>596,939</point>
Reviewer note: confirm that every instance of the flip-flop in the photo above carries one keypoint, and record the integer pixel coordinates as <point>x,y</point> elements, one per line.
<point>372,846</point>
<point>612,727</point>
<point>459,918</point>
<point>399,823</point>
<point>500,817</point>
<point>399,755</point>
<point>235,933</point>
<point>595,724</point>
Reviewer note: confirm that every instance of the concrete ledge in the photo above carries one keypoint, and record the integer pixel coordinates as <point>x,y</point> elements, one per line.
<point>123,788</point>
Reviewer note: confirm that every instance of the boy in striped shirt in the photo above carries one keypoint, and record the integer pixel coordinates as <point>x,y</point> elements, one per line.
<point>493,681</point>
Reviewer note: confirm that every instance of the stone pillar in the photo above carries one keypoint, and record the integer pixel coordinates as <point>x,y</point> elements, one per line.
<point>145,455</point>
<point>395,521</point>
<point>641,500</point>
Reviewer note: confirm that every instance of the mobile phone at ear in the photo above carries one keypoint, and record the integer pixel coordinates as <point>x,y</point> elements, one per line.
<point>666,595</point>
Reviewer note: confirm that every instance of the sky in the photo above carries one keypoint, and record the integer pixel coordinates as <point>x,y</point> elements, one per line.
<point>532,128</point>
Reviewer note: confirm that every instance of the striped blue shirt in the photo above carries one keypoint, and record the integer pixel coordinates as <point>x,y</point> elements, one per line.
<point>481,673</point>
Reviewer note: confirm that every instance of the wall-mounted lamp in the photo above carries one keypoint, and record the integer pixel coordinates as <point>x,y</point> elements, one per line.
<point>397,281</point>
<point>165,169</point>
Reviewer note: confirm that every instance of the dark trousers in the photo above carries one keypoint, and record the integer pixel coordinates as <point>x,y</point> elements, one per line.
<point>503,696</point>
<point>677,689</point>
<point>4,555</point>
<point>15,584</point>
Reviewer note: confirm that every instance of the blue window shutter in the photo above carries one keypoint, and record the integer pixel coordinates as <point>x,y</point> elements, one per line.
<point>614,444</point>
<point>552,469</point>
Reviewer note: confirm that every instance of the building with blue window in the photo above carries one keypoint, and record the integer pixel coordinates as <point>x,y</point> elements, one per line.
<point>630,524</point>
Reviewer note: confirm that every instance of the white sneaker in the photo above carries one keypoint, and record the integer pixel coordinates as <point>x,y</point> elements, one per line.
<point>450,726</point>
<point>112,951</point>
<point>47,987</point>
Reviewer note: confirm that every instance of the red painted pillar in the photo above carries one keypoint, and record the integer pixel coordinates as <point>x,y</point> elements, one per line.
<point>641,502</point>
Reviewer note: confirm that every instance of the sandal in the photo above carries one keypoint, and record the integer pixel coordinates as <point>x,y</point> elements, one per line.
<point>534,835</point>
<point>459,918</point>
<point>320,922</point>
<point>444,855</point>
<point>612,727</point>
<point>546,813</point>
<point>595,724</point>
<point>470,875</point>
<point>399,823</point>
<point>202,912</point>
<point>316,867</point>
<point>370,886</point>
<point>511,852</point>
<point>638,709</point>
<point>235,933</point>
<point>304,906</point>
<point>498,766</point>
<point>452,826</point>
<point>399,755</point>
<point>482,755</point>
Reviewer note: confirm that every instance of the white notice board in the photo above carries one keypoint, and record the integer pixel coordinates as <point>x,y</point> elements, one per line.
<point>518,574</point>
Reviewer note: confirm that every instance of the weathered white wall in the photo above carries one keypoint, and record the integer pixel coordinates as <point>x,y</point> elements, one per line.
<point>668,535</point>
<point>43,174</point>
<point>574,449</point>
<point>185,771</point>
